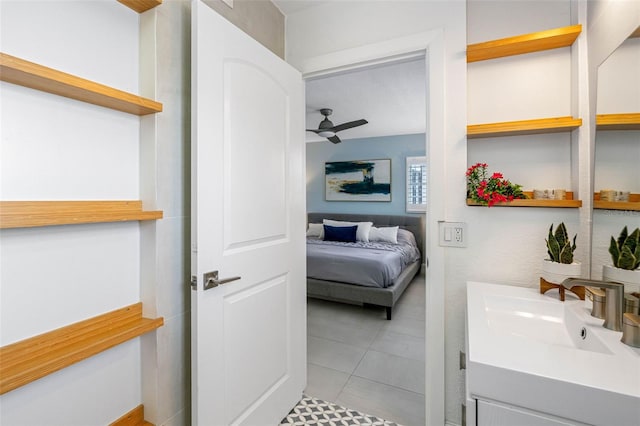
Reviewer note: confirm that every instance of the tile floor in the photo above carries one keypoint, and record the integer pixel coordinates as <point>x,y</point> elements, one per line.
<point>314,411</point>
<point>358,359</point>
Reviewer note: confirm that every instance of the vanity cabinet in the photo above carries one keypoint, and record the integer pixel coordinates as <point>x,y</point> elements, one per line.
<point>529,360</point>
<point>495,414</point>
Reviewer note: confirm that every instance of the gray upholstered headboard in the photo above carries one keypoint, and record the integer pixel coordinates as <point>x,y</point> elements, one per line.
<point>414,224</point>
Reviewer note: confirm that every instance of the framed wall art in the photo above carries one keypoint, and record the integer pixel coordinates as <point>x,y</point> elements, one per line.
<point>360,180</point>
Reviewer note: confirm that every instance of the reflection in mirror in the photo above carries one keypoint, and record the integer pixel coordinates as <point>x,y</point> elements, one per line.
<point>617,152</point>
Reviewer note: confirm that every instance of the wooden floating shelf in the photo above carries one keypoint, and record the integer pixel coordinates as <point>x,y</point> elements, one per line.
<point>28,74</point>
<point>530,202</point>
<point>141,5</point>
<point>632,205</point>
<point>523,127</point>
<point>628,121</point>
<point>134,417</point>
<point>525,43</point>
<point>31,359</point>
<point>28,214</point>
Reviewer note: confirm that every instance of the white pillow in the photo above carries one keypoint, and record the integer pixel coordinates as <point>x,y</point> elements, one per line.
<point>316,230</point>
<point>363,228</point>
<point>387,235</point>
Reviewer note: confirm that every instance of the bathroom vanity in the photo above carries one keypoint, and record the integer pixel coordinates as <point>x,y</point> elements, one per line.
<point>534,360</point>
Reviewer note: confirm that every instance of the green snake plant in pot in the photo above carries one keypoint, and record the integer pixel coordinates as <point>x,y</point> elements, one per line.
<point>625,256</point>
<point>560,264</point>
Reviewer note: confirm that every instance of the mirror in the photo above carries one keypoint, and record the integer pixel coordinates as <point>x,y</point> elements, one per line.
<point>617,150</point>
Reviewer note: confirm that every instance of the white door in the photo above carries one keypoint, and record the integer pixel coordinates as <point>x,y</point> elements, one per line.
<point>248,221</point>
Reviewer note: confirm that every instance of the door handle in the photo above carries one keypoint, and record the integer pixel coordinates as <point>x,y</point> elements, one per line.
<point>211,280</point>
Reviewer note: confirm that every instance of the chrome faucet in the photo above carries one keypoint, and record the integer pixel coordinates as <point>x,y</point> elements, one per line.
<point>614,299</point>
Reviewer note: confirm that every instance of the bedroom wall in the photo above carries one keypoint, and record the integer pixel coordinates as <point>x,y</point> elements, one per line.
<point>396,148</point>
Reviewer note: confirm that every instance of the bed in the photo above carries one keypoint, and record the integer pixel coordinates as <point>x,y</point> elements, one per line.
<point>379,279</point>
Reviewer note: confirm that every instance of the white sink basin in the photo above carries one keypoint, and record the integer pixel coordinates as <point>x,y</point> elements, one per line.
<point>545,321</point>
<point>533,351</point>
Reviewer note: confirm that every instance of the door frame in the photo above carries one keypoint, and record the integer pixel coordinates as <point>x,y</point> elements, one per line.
<point>430,46</point>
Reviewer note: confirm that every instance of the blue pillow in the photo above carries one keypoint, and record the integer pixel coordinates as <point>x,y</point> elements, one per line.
<point>345,234</point>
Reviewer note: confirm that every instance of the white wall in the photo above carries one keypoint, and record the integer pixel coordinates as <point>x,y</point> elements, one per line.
<point>53,148</point>
<point>505,245</point>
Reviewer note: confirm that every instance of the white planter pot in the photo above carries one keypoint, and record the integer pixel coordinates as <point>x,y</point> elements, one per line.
<point>555,272</point>
<point>630,279</point>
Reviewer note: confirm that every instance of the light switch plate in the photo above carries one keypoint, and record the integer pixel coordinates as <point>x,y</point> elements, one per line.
<point>452,234</point>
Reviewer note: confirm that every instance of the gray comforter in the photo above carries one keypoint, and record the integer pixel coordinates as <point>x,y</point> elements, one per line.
<point>372,264</point>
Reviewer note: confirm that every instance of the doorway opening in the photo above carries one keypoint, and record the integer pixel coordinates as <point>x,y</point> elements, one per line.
<point>428,46</point>
<point>357,358</point>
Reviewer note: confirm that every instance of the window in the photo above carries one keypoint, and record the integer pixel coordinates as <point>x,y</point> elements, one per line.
<point>416,184</point>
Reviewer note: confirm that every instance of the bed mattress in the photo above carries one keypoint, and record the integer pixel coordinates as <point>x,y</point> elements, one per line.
<point>370,264</point>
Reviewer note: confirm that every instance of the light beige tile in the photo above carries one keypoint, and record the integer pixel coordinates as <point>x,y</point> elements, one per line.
<point>392,370</point>
<point>334,355</point>
<point>405,325</point>
<point>325,383</point>
<point>388,402</point>
<point>403,345</point>
<point>341,330</point>
<point>409,310</point>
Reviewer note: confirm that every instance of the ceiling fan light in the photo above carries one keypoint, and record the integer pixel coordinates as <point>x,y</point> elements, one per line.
<point>326,134</point>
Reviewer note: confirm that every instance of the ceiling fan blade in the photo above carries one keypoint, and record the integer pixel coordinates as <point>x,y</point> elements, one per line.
<point>314,130</point>
<point>334,139</point>
<point>349,125</point>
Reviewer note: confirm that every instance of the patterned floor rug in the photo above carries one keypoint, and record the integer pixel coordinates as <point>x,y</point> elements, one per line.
<point>312,411</point>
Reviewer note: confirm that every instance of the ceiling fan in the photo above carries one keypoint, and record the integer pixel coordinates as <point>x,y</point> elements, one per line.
<point>326,129</point>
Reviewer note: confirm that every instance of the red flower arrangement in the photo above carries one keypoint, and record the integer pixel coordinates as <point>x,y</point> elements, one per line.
<point>490,190</point>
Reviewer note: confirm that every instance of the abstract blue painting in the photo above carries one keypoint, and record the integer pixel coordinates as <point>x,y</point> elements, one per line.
<point>361,180</point>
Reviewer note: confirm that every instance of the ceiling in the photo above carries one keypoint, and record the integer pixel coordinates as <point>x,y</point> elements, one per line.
<point>390,97</point>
